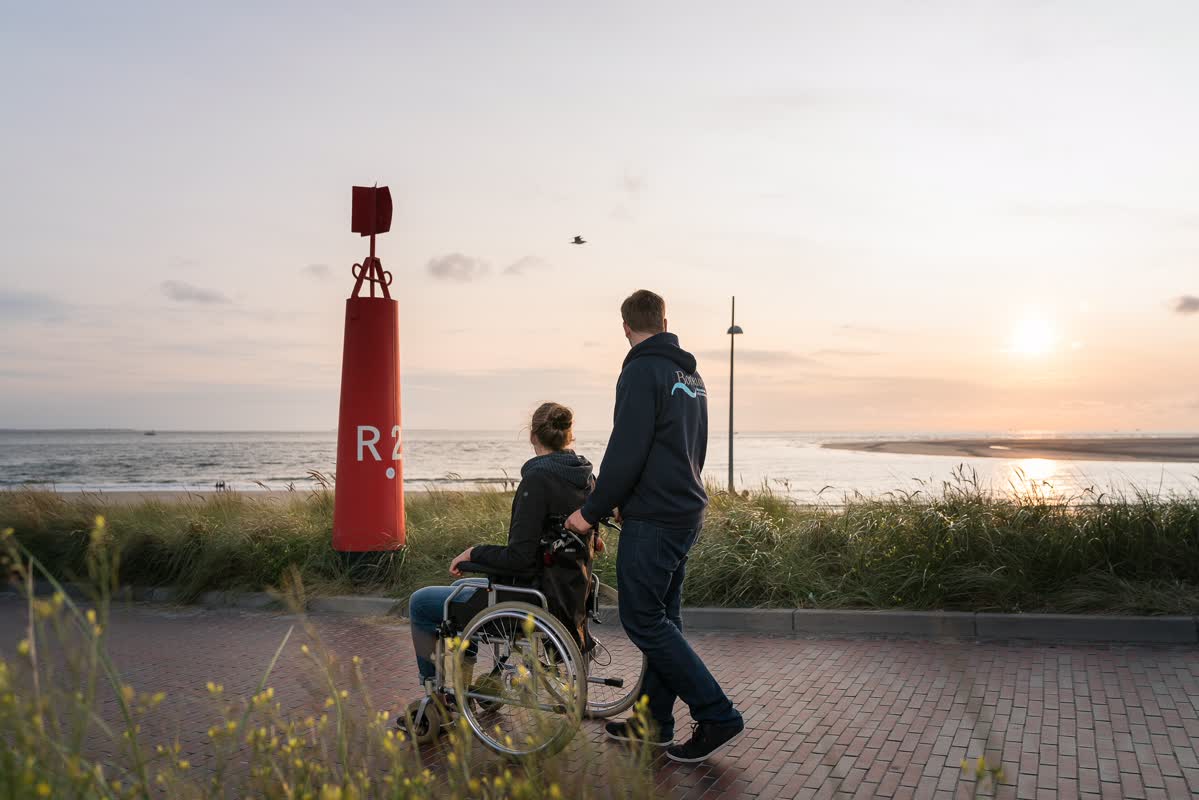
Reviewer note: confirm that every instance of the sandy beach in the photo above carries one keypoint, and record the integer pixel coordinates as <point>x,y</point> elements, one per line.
<point>136,497</point>
<point>1185,449</point>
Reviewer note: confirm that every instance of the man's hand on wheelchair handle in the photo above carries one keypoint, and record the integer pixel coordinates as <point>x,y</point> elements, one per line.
<point>576,524</point>
<point>458,559</point>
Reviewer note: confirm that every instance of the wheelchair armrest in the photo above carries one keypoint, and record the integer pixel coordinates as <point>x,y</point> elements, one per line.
<point>491,572</point>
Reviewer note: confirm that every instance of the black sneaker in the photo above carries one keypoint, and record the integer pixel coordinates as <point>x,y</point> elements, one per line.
<point>630,731</point>
<point>706,739</point>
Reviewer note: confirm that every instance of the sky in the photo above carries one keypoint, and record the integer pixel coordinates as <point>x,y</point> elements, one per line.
<point>934,216</point>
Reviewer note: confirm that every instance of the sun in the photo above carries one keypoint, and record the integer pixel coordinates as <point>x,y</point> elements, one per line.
<point>1032,337</point>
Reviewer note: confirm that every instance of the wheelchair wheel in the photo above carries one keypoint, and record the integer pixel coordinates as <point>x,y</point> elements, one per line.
<point>421,720</point>
<point>535,692</point>
<point>614,678</point>
<point>615,670</point>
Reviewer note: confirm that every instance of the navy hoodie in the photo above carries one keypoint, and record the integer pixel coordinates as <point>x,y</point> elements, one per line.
<point>551,485</point>
<point>652,469</point>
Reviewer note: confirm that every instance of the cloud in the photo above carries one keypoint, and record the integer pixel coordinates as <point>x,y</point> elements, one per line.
<point>318,271</point>
<point>526,264</point>
<point>457,267</point>
<point>862,329</point>
<point>1108,213</point>
<point>1187,304</point>
<point>182,292</point>
<point>835,353</point>
<point>29,305</point>
<point>761,357</point>
<point>908,107</point>
<point>621,213</point>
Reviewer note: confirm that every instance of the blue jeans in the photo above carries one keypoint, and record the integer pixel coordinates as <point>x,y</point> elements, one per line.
<point>651,562</point>
<point>426,610</point>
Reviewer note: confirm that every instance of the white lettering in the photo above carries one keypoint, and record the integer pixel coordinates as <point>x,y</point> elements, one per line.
<point>395,434</point>
<point>371,443</point>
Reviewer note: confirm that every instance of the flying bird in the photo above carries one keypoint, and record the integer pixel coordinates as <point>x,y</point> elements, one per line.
<point>579,240</point>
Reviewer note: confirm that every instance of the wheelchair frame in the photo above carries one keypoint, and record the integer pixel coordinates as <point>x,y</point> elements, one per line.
<point>430,707</point>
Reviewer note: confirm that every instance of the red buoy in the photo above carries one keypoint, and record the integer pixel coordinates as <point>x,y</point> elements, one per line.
<point>368,503</point>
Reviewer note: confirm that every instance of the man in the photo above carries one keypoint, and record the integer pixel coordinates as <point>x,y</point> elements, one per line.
<point>651,473</point>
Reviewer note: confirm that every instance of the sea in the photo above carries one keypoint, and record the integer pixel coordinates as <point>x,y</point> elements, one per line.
<point>792,464</point>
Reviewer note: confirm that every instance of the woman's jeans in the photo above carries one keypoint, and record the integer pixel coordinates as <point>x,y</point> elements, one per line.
<point>426,610</point>
<point>650,564</point>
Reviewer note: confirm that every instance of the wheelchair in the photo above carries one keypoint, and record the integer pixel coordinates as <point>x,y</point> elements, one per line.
<point>514,671</point>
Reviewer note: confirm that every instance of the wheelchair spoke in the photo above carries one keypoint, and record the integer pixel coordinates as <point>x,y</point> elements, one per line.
<point>523,691</point>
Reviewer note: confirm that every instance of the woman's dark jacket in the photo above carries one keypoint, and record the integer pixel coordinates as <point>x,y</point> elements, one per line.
<point>553,485</point>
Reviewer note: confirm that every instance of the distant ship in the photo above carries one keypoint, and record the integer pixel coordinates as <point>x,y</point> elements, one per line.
<point>149,433</point>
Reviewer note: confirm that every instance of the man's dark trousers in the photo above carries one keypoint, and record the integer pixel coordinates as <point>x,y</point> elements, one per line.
<point>650,564</point>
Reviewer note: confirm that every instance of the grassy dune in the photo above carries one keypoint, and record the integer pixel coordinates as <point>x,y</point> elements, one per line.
<point>964,548</point>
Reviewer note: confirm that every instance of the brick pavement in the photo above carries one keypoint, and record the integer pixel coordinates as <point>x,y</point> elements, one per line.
<point>825,718</point>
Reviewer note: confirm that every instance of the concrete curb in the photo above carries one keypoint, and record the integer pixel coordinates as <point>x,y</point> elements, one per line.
<point>911,624</point>
<point>1080,627</point>
<point>782,621</point>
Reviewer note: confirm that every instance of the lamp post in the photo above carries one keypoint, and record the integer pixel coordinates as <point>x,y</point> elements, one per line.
<point>734,329</point>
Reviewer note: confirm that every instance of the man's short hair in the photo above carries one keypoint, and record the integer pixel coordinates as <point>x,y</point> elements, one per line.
<point>644,312</point>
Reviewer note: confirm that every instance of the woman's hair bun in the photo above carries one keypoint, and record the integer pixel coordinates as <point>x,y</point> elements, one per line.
<point>551,425</point>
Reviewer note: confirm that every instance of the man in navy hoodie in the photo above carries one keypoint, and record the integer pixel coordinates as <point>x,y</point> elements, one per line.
<point>651,473</point>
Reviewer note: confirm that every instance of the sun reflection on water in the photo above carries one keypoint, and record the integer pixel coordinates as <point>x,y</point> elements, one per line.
<point>1034,474</point>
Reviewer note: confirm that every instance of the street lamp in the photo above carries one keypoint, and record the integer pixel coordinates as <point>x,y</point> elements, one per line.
<point>734,329</point>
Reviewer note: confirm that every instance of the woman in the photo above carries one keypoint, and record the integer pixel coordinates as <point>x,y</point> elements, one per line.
<point>553,483</point>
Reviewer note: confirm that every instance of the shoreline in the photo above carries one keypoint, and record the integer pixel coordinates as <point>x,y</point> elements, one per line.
<point>1172,449</point>
<point>129,497</point>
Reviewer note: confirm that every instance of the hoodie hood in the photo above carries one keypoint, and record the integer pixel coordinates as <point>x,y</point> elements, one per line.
<point>565,464</point>
<point>665,345</point>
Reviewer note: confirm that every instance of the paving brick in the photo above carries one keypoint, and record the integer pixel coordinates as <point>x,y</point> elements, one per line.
<point>825,717</point>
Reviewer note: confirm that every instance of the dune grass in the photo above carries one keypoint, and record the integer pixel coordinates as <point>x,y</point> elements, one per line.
<point>73,727</point>
<point>963,548</point>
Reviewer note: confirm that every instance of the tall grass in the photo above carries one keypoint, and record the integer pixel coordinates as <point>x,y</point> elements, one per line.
<point>63,703</point>
<point>963,548</point>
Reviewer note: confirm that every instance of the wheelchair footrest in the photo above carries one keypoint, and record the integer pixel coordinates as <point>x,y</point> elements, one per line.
<point>617,682</point>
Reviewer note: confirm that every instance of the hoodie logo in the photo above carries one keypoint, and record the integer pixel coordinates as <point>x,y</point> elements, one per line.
<point>692,385</point>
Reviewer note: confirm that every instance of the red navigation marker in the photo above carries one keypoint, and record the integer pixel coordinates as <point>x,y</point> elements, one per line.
<point>371,212</point>
<point>368,504</point>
